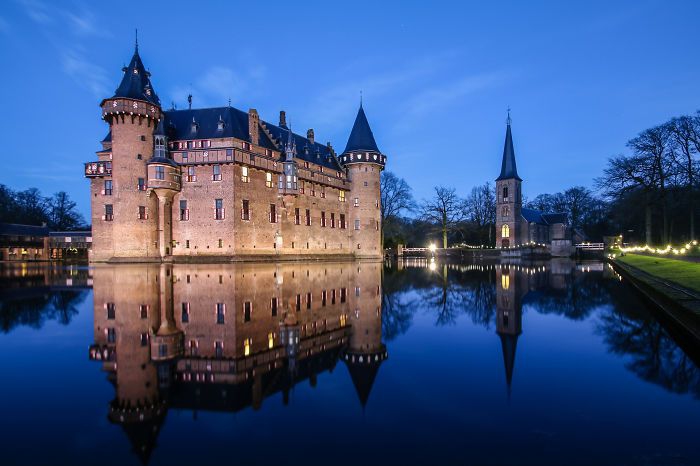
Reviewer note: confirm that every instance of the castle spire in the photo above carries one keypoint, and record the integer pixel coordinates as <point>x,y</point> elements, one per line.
<point>136,46</point>
<point>361,137</point>
<point>136,82</point>
<point>508,167</point>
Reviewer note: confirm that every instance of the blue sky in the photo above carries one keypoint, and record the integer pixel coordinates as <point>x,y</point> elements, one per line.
<point>437,77</point>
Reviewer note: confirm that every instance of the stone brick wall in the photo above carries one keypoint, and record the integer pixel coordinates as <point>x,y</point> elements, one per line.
<point>365,187</point>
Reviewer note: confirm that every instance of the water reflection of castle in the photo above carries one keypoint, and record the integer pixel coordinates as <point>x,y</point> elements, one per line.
<point>222,337</point>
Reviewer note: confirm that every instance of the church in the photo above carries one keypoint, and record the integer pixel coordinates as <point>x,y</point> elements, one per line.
<point>517,225</point>
<point>223,183</point>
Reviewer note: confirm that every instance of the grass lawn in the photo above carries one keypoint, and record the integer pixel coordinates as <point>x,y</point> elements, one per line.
<point>684,273</point>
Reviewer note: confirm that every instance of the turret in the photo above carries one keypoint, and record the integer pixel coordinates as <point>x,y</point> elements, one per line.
<point>124,211</point>
<point>364,162</point>
<point>508,196</point>
<point>288,180</point>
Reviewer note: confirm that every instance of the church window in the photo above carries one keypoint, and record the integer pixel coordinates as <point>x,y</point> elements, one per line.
<point>505,194</point>
<point>268,179</point>
<point>505,231</point>
<point>244,174</point>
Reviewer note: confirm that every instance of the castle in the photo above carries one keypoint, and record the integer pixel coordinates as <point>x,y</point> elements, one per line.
<point>517,225</point>
<point>174,185</point>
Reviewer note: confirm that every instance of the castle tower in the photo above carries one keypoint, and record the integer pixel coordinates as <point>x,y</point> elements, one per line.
<point>508,197</point>
<point>509,315</point>
<point>364,163</point>
<point>365,352</point>
<point>124,211</point>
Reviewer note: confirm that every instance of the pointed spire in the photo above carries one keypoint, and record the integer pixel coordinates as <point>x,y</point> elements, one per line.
<point>361,137</point>
<point>136,83</point>
<point>508,167</point>
<point>508,345</point>
<point>136,47</point>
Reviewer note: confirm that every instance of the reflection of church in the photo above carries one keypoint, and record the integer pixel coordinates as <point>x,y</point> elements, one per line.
<point>223,337</point>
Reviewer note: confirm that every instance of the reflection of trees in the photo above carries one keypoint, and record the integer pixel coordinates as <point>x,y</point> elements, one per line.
<point>576,300</point>
<point>34,311</point>
<point>397,307</point>
<point>655,357</point>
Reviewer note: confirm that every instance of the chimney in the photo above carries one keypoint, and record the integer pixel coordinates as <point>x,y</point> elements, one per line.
<point>283,119</point>
<point>310,135</point>
<point>253,126</point>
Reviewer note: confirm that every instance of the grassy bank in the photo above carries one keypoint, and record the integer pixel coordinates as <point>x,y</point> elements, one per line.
<point>684,273</point>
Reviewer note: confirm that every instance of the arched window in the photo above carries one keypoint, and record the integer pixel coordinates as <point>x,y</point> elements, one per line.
<point>505,194</point>
<point>505,231</point>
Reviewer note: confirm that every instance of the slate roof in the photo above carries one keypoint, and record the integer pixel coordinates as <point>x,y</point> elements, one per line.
<point>535,216</point>
<point>204,124</point>
<point>508,168</point>
<point>136,83</point>
<point>361,137</point>
<point>362,376</point>
<point>14,229</point>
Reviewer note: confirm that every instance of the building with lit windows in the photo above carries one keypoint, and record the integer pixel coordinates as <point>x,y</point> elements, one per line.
<point>517,225</point>
<point>221,182</point>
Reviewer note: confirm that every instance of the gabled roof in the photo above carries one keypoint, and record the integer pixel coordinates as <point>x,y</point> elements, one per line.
<point>204,124</point>
<point>535,216</point>
<point>508,168</point>
<point>361,137</point>
<point>136,83</point>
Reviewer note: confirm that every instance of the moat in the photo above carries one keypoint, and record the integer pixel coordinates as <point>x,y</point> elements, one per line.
<point>421,362</point>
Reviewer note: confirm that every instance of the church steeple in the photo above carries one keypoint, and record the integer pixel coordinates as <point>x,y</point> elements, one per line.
<point>508,167</point>
<point>136,83</point>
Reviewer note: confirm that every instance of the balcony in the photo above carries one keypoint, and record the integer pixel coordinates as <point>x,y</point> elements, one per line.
<point>98,169</point>
<point>164,176</point>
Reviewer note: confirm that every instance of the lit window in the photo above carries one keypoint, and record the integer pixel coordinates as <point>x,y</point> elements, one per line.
<point>247,343</point>
<point>505,281</point>
<point>268,179</point>
<point>505,231</point>
<point>341,195</point>
<point>244,174</point>
<point>270,340</point>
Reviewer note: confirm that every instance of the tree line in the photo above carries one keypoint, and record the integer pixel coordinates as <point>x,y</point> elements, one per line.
<point>649,195</point>
<point>30,207</point>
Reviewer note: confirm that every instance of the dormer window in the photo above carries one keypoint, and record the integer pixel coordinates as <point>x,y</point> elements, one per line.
<point>194,126</point>
<point>220,125</point>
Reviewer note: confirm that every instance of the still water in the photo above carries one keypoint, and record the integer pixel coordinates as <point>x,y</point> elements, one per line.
<point>340,363</point>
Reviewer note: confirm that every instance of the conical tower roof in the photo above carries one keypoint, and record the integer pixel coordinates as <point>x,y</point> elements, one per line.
<point>509,342</point>
<point>508,167</point>
<point>136,83</point>
<point>361,137</point>
<point>363,376</point>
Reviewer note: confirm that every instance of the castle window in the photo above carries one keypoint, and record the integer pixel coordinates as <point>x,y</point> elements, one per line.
<point>245,210</point>
<point>111,311</point>
<point>247,310</point>
<point>220,313</point>
<point>341,195</point>
<point>273,213</point>
<point>268,152</point>
<point>297,303</point>
<point>207,144</point>
<point>356,202</point>
<point>357,224</point>
<point>143,309</point>
<point>333,296</point>
<point>220,125</point>
<point>184,156</point>
<point>323,297</point>
<point>219,209</point>
<point>184,211</point>
<point>216,172</point>
<point>309,300</point>
<point>142,212</point>
<point>109,212</point>
<point>187,246</point>
<point>332,220</point>
<point>244,174</point>
<point>185,313</point>
<point>189,144</point>
<point>313,190</point>
<point>273,306</point>
<point>108,188</point>
<point>247,343</point>
<point>141,186</point>
<point>221,245</point>
<point>323,192</point>
<point>194,347</point>
<point>270,340</point>
<point>268,179</point>
<point>301,187</point>
<point>343,226</point>
<point>505,281</point>
<point>246,145</point>
<point>505,231</point>
<point>111,335</point>
<point>376,225</point>
<point>308,218</point>
<point>365,184</point>
<point>219,349</point>
<point>160,173</point>
<point>139,157</point>
<point>323,219</point>
<point>297,219</point>
<point>229,154</point>
<point>143,138</point>
<point>505,194</point>
<point>191,174</point>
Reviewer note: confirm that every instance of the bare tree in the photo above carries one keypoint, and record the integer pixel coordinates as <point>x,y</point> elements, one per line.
<point>396,197</point>
<point>685,132</point>
<point>481,207</point>
<point>62,212</point>
<point>446,209</point>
